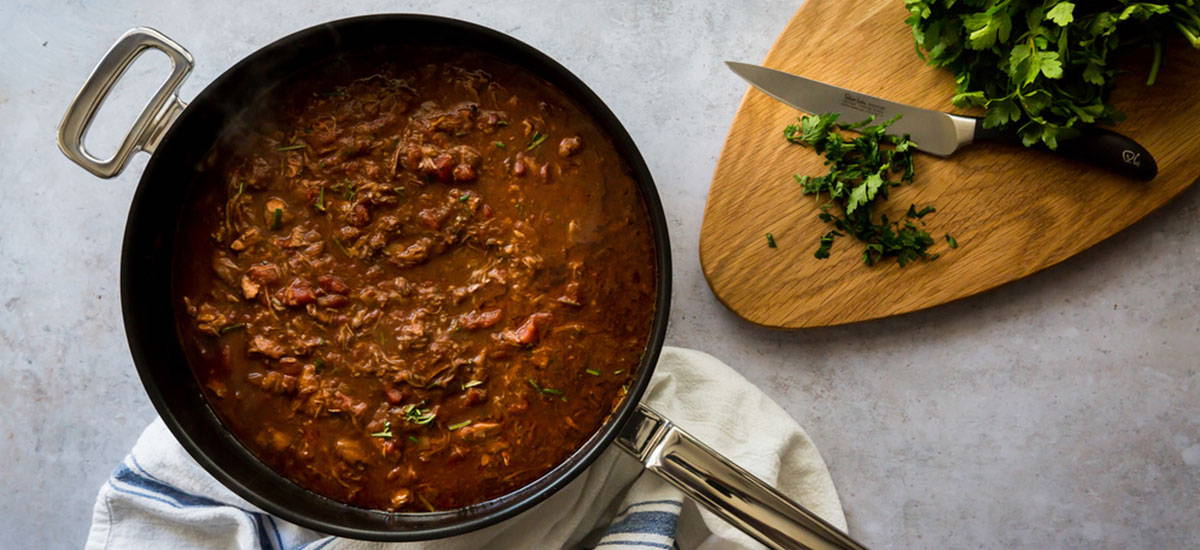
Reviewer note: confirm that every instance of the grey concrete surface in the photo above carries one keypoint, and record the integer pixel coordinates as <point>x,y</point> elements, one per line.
<point>1058,411</point>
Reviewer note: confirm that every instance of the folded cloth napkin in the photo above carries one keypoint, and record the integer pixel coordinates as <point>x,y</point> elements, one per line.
<point>160,498</point>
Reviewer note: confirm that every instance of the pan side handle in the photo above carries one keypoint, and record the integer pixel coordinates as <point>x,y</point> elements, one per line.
<point>149,127</point>
<point>724,488</point>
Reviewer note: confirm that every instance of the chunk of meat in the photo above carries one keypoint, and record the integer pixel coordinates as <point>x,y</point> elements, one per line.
<point>478,430</point>
<point>265,346</point>
<point>226,269</point>
<point>358,216</point>
<point>276,213</point>
<point>263,274</point>
<point>273,381</point>
<point>464,173</point>
<point>529,332</point>
<point>249,287</point>
<point>439,168</point>
<point>411,255</point>
<point>475,320</point>
<point>333,300</point>
<point>400,498</point>
<point>247,239</point>
<point>209,319</point>
<point>474,396</point>
<point>569,146</point>
<point>350,450</point>
<point>298,293</point>
<point>333,283</point>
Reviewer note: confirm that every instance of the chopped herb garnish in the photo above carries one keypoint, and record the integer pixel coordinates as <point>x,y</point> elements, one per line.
<point>342,247</point>
<point>416,414</point>
<point>502,123</point>
<point>291,147</point>
<point>387,430</point>
<point>592,372</point>
<point>472,384</point>
<point>277,220</point>
<point>414,439</point>
<point>462,424</point>
<point>918,214</point>
<point>230,328</point>
<point>771,241</point>
<point>538,138</point>
<point>500,144</point>
<point>320,204</point>
<point>550,391</point>
<point>464,197</point>
<point>951,241</point>
<point>860,174</point>
<point>618,371</point>
<point>319,363</point>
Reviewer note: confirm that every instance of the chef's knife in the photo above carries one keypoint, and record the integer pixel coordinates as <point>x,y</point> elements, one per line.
<point>936,132</point>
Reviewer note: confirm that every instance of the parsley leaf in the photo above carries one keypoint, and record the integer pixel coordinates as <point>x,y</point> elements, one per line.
<point>1062,13</point>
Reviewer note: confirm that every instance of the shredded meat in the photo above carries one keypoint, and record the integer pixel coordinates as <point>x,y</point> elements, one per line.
<point>408,276</point>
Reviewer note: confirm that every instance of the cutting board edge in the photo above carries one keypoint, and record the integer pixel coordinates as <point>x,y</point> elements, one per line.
<point>708,278</point>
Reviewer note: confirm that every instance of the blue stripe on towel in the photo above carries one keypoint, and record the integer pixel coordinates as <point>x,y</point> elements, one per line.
<point>169,489</point>
<point>264,540</point>
<point>644,503</point>
<point>653,523</point>
<point>633,524</point>
<point>634,543</point>
<point>161,492</point>
<point>274,530</point>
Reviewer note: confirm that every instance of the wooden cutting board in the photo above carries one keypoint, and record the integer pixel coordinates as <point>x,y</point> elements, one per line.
<point>1013,211</point>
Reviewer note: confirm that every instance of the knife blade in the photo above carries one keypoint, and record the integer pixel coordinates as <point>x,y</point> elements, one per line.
<point>936,132</point>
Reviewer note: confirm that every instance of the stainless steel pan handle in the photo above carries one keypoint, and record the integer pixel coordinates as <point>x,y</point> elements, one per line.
<point>725,488</point>
<point>150,126</point>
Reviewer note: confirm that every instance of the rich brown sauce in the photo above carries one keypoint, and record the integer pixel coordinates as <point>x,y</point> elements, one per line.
<point>416,287</point>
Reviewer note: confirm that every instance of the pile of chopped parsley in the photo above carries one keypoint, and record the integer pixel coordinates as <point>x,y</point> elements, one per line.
<point>1042,68</point>
<point>861,171</point>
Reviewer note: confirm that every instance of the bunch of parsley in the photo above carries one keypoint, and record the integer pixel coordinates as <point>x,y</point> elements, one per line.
<point>861,170</point>
<point>1042,67</point>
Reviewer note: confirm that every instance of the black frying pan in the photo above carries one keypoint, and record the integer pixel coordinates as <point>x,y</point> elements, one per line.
<point>180,135</point>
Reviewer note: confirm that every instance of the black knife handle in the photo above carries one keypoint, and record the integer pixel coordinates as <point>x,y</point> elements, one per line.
<point>1096,146</point>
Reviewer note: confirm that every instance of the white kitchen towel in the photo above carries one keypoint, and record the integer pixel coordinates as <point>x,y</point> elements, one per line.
<point>160,498</point>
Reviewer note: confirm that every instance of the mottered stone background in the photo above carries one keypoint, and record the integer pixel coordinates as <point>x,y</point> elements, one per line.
<point>1058,411</point>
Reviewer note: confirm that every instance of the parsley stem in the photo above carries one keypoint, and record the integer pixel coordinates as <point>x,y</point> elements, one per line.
<point>538,138</point>
<point>230,328</point>
<point>1154,65</point>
